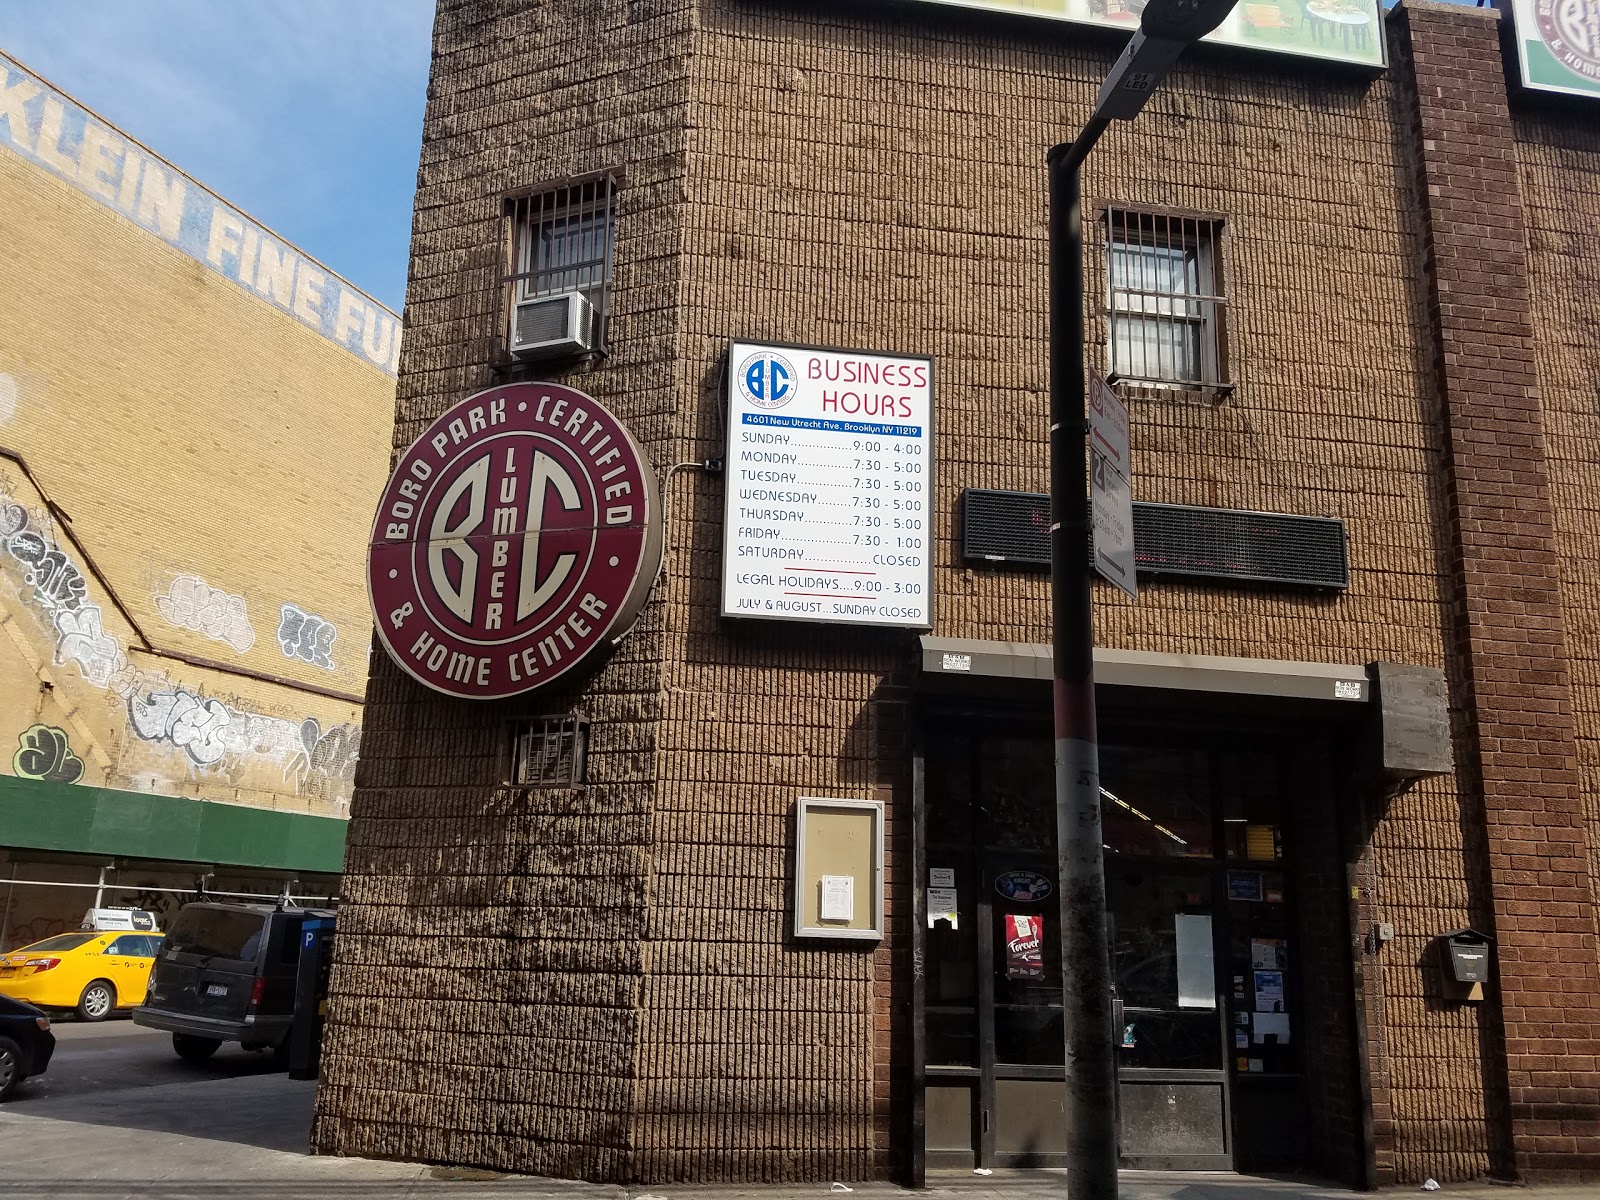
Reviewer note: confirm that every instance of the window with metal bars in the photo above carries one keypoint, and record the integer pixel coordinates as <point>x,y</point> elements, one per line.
<point>549,752</point>
<point>560,241</point>
<point>1165,305</point>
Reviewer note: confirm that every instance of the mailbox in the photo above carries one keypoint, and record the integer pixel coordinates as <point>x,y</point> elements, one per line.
<point>1468,953</point>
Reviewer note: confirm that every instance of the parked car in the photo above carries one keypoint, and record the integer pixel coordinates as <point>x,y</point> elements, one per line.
<point>26,1043</point>
<point>226,973</point>
<point>93,974</point>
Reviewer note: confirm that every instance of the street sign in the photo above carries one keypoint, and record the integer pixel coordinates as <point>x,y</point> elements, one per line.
<point>1110,497</point>
<point>1108,423</point>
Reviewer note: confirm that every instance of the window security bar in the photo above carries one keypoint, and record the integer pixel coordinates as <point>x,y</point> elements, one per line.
<point>549,752</point>
<point>560,240</point>
<point>1165,305</point>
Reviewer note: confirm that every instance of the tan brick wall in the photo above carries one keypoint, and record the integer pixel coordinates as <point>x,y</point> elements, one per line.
<point>186,431</point>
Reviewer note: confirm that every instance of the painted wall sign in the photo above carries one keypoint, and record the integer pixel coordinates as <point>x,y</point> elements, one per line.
<point>1558,44</point>
<point>1336,30</point>
<point>829,505</point>
<point>1025,886</point>
<point>520,533</point>
<point>52,131</point>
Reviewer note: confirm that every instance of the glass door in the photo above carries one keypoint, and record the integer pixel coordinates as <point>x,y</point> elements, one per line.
<point>1025,1052</point>
<point>1204,957</point>
<point>1172,1074</point>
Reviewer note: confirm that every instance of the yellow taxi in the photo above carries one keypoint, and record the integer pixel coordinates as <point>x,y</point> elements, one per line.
<point>92,973</point>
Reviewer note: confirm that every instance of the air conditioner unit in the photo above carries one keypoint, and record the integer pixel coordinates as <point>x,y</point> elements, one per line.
<point>552,326</point>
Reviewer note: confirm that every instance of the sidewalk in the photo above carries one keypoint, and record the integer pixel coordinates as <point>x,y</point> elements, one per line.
<point>244,1138</point>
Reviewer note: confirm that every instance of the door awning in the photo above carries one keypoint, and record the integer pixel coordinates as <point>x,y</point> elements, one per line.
<point>955,657</point>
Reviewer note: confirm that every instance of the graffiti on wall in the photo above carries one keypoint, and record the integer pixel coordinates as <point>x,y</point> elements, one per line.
<point>43,753</point>
<point>81,640</point>
<point>178,717</point>
<point>210,733</point>
<point>26,933</point>
<point>307,636</point>
<point>192,603</point>
<point>57,584</point>
<point>164,905</point>
<point>325,759</point>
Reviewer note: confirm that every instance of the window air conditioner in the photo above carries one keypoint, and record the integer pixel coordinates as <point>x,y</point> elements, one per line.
<point>552,326</point>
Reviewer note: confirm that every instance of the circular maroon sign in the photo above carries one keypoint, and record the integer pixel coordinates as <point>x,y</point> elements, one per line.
<point>518,534</point>
<point>1571,29</point>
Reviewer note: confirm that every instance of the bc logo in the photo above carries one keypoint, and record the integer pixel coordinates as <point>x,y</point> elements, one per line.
<point>767,380</point>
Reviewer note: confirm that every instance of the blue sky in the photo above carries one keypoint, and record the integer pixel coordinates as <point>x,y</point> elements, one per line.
<point>307,114</point>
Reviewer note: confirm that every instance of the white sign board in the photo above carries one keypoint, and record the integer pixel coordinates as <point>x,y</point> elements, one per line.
<point>1110,497</point>
<point>829,510</point>
<point>1108,423</point>
<point>838,897</point>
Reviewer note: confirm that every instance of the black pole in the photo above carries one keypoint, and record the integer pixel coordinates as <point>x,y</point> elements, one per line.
<point>1085,954</point>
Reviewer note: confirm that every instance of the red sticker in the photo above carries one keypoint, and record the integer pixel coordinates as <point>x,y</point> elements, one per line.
<point>520,533</point>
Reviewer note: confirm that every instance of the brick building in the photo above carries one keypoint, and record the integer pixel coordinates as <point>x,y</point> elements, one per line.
<point>1342,271</point>
<point>186,634</point>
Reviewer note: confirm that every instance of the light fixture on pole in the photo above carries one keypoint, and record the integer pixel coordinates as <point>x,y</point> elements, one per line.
<point>1165,28</point>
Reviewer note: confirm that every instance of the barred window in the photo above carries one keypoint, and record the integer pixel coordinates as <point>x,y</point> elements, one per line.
<point>1165,304</point>
<point>560,246</point>
<point>549,752</point>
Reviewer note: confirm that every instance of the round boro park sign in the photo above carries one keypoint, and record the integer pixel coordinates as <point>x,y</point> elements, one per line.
<point>518,535</point>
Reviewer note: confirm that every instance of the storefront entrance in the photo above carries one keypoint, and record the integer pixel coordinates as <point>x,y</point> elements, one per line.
<point>1200,852</point>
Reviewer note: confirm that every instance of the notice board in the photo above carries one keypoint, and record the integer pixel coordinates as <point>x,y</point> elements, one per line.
<point>838,868</point>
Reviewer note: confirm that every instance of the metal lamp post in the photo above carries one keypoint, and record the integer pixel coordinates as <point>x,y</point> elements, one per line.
<point>1165,28</point>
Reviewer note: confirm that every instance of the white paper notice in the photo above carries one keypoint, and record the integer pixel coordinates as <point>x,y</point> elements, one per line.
<point>1197,983</point>
<point>942,906</point>
<point>941,877</point>
<point>838,897</point>
<point>1271,1024</point>
<point>1269,991</point>
<point>829,506</point>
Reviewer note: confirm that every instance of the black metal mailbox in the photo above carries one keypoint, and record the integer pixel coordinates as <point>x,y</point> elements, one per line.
<point>1467,952</point>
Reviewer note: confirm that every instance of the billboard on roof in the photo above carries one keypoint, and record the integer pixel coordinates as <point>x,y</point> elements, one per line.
<point>1558,44</point>
<point>1346,31</point>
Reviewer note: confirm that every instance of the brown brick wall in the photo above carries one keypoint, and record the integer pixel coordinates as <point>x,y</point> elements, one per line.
<point>828,150</point>
<point>526,911</point>
<point>1559,179</point>
<point>1509,629</point>
<point>796,172</point>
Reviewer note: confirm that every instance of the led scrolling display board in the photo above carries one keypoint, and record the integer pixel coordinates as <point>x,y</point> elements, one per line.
<point>829,509</point>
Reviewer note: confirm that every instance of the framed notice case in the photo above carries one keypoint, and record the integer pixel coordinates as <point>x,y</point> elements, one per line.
<point>838,868</point>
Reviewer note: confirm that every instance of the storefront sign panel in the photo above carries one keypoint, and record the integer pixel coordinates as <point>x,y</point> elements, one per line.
<point>829,509</point>
<point>1349,31</point>
<point>1558,44</point>
<point>519,534</point>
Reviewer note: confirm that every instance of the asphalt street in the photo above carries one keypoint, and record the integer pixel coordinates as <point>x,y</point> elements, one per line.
<point>117,1055</point>
<point>120,1117</point>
